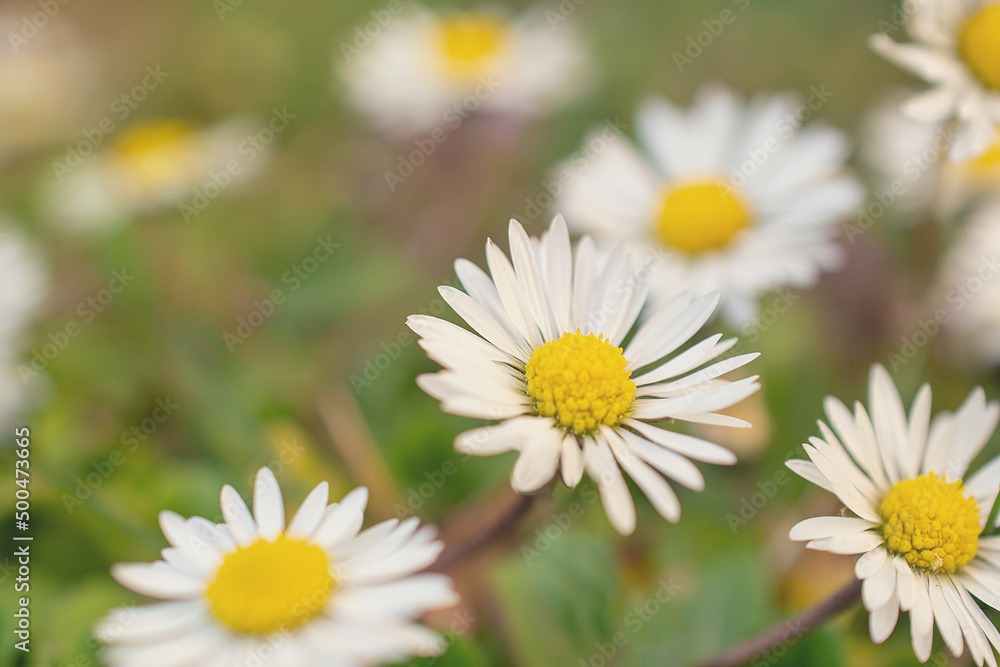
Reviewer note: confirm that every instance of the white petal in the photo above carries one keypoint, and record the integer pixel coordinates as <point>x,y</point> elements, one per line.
<point>241,525</point>
<point>157,580</point>
<point>871,563</point>
<point>268,507</point>
<point>571,462</point>
<point>827,526</point>
<point>310,513</point>
<point>343,520</point>
<point>538,462</point>
<point>879,588</point>
<point>945,620</point>
<point>882,621</point>
<point>602,468</point>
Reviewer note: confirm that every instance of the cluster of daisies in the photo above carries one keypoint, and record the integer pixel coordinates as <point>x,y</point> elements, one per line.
<point>584,356</point>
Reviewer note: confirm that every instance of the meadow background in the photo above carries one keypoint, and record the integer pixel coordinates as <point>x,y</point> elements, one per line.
<point>323,388</point>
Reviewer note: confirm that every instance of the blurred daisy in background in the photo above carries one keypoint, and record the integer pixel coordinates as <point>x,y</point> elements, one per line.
<point>23,288</point>
<point>968,288</point>
<point>913,170</point>
<point>46,83</point>
<point>575,393</point>
<point>906,158</point>
<point>727,196</point>
<point>919,518</point>
<point>955,49</point>
<point>153,164</point>
<point>256,591</point>
<point>426,70</point>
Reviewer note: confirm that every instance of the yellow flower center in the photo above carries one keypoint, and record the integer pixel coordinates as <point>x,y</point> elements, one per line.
<point>989,159</point>
<point>156,154</point>
<point>581,382</point>
<point>701,216</point>
<point>979,45</point>
<point>271,586</point>
<point>469,42</point>
<point>931,523</point>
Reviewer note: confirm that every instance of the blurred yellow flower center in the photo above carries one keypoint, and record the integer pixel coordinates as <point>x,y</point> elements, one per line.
<point>581,382</point>
<point>701,216</point>
<point>931,523</point>
<point>270,586</point>
<point>990,158</point>
<point>979,45</point>
<point>155,153</point>
<point>470,41</point>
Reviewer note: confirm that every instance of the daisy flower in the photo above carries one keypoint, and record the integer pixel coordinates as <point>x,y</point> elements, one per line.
<point>426,70</point>
<point>255,591</point>
<point>23,287</point>
<point>919,516</point>
<point>729,196</point>
<point>968,277</point>
<point>153,164</point>
<point>913,171</point>
<point>574,392</point>
<point>955,49</point>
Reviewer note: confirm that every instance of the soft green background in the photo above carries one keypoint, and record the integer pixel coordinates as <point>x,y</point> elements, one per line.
<point>265,402</point>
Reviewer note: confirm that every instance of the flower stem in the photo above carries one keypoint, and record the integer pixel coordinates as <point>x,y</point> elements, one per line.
<point>492,532</point>
<point>790,631</point>
<point>991,527</point>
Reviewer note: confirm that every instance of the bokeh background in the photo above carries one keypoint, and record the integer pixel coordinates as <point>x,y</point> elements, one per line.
<point>323,388</point>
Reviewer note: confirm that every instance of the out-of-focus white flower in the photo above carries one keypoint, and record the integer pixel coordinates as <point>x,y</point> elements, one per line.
<point>154,164</point>
<point>255,591</point>
<point>968,287</point>
<point>913,169</point>
<point>727,196</point>
<point>23,287</point>
<point>426,70</point>
<point>956,50</point>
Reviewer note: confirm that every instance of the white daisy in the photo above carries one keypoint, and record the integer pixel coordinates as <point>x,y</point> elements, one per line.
<point>153,164</point>
<point>968,287</point>
<point>956,51</point>
<point>23,286</point>
<point>731,197</point>
<point>914,173</point>
<point>255,591</point>
<point>917,523</point>
<point>554,361</point>
<point>425,70</point>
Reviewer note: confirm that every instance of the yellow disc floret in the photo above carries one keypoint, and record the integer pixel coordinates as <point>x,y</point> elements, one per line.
<point>979,45</point>
<point>701,216</point>
<point>469,42</point>
<point>931,523</point>
<point>156,154</point>
<point>581,382</point>
<point>270,586</point>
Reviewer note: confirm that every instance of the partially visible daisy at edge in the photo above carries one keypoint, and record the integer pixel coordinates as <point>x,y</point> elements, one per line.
<point>968,288</point>
<point>552,359</point>
<point>918,516</point>
<point>154,164</point>
<point>427,70</point>
<point>955,50</point>
<point>913,171</point>
<point>24,285</point>
<point>257,591</point>
<point>728,196</point>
